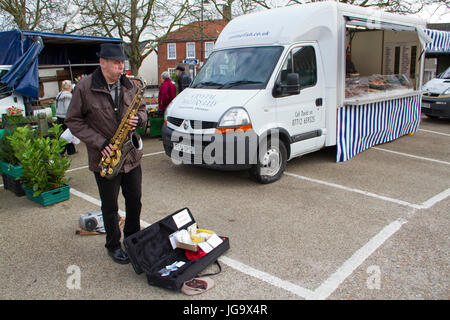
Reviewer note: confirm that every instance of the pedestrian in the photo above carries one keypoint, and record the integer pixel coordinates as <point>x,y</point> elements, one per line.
<point>99,102</point>
<point>183,79</point>
<point>62,102</point>
<point>167,91</point>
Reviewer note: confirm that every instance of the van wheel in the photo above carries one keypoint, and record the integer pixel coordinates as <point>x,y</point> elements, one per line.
<point>271,163</point>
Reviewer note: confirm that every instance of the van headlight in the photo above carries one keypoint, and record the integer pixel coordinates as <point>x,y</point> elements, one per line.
<point>446,91</point>
<point>234,120</point>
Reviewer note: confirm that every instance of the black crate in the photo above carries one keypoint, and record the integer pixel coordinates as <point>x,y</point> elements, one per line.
<point>13,184</point>
<point>150,250</point>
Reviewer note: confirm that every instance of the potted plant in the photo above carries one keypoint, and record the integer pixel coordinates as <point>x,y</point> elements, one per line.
<point>9,165</point>
<point>43,165</point>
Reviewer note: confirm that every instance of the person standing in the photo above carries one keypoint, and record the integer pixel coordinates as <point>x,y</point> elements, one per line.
<point>62,102</point>
<point>183,79</point>
<point>99,102</point>
<point>167,92</point>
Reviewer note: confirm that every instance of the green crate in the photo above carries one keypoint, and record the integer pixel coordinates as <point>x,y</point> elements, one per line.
<point>13,184</point>
<point>49,197</point>
<point>10,170</point>
<point>156,126</point>
<point>141,131</point>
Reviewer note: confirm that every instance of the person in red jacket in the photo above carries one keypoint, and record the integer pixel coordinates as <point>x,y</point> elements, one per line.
<point>167,92</point>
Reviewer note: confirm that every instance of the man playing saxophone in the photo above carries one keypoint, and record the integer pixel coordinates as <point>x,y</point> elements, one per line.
<point>99,103</point>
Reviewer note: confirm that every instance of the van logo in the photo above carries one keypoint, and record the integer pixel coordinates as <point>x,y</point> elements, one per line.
<point>185,124</point>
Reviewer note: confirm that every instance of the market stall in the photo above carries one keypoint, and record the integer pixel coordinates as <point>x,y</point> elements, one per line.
<point>382,97</point>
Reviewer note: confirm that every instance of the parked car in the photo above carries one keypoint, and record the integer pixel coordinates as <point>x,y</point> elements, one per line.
<point>436,98</point>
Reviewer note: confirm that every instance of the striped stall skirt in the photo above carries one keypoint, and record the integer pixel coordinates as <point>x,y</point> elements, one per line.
<point>360,127</point>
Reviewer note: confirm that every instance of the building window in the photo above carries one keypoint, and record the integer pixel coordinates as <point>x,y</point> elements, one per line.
<point>190,50</point>
<point>209,46</point>
<point>171,51</point>
<point>171,71</point>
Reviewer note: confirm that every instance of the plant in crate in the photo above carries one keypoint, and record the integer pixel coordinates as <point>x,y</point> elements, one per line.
<point>43,166</point>
<point>9,163</point>
<point>10,168</point>
<point>6,150</point>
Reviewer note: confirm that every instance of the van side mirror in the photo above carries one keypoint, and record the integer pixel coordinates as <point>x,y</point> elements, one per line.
<point>293,83</point>
<point>291,87</point>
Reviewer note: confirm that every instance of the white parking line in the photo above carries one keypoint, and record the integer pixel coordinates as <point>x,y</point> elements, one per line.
<point>79,168</point>
<point>366,193</point>
<point>347,268</point>
<point>432,201</point>
<point>412,156</point>
<point>435,132</point>
<point>152,154</point>
<point>266,277</point>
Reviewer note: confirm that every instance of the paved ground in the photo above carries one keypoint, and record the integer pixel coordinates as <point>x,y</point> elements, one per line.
<point>374,227</point>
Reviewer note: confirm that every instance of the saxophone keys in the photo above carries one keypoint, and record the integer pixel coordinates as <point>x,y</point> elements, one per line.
<point>110,171</point>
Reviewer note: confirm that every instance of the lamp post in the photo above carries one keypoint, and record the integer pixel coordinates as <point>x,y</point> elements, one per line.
<point>201,32</point>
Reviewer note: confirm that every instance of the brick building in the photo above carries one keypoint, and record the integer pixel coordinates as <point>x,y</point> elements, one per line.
<point>187,46</point>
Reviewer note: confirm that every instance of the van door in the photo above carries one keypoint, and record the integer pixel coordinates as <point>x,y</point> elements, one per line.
<point>303,114</point>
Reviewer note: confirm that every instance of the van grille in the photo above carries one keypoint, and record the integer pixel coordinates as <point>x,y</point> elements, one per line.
<point>195,124</point>
<point>175,121</point>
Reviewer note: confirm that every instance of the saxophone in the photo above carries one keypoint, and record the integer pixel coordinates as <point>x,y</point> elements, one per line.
<point>123,142</point>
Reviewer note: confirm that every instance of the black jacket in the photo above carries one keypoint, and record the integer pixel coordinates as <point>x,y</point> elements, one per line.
<point>183,81</point>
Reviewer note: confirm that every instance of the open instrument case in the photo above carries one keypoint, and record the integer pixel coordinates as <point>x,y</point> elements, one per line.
<point>150,250</point>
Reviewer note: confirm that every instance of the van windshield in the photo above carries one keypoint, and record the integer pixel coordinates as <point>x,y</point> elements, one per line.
<point>239,68</point>
<point>445,74</point>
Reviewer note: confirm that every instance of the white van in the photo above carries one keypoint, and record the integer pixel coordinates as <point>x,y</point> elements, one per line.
<point>436,96</point>
<point>276,87</point>
<point>9,98</point>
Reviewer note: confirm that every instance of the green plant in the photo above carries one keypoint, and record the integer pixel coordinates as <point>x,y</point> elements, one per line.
<point>43,165</point>
<point>6,150</point>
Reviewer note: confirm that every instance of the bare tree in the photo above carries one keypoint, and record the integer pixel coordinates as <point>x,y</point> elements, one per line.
<point>43,15</point>
<point>397,6</point>
<point>142,24</point>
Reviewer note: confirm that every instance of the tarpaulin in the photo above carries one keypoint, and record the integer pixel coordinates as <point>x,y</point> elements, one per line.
<point>20,49</point>
<point>23,77</point>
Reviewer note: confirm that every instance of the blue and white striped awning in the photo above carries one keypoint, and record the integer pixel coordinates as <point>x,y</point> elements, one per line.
<point>359,127</point>
<point>440,41</point>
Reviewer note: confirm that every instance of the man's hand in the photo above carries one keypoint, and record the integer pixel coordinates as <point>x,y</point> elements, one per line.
<point>133,122</point>
<point>108,150</point>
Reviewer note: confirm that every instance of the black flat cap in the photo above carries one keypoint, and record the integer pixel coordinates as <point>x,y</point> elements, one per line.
<point>181,68</point>
<point>112,51</point>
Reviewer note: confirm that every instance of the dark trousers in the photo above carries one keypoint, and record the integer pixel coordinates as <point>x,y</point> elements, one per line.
<point>131,184</point>
<point>70,147</point>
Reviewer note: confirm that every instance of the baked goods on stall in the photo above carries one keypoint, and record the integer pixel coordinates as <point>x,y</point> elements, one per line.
<point>356,86</point>
<point>376,85</point>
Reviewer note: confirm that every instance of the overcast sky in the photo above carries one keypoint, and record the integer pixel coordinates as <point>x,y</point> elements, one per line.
<point>433,14</point>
